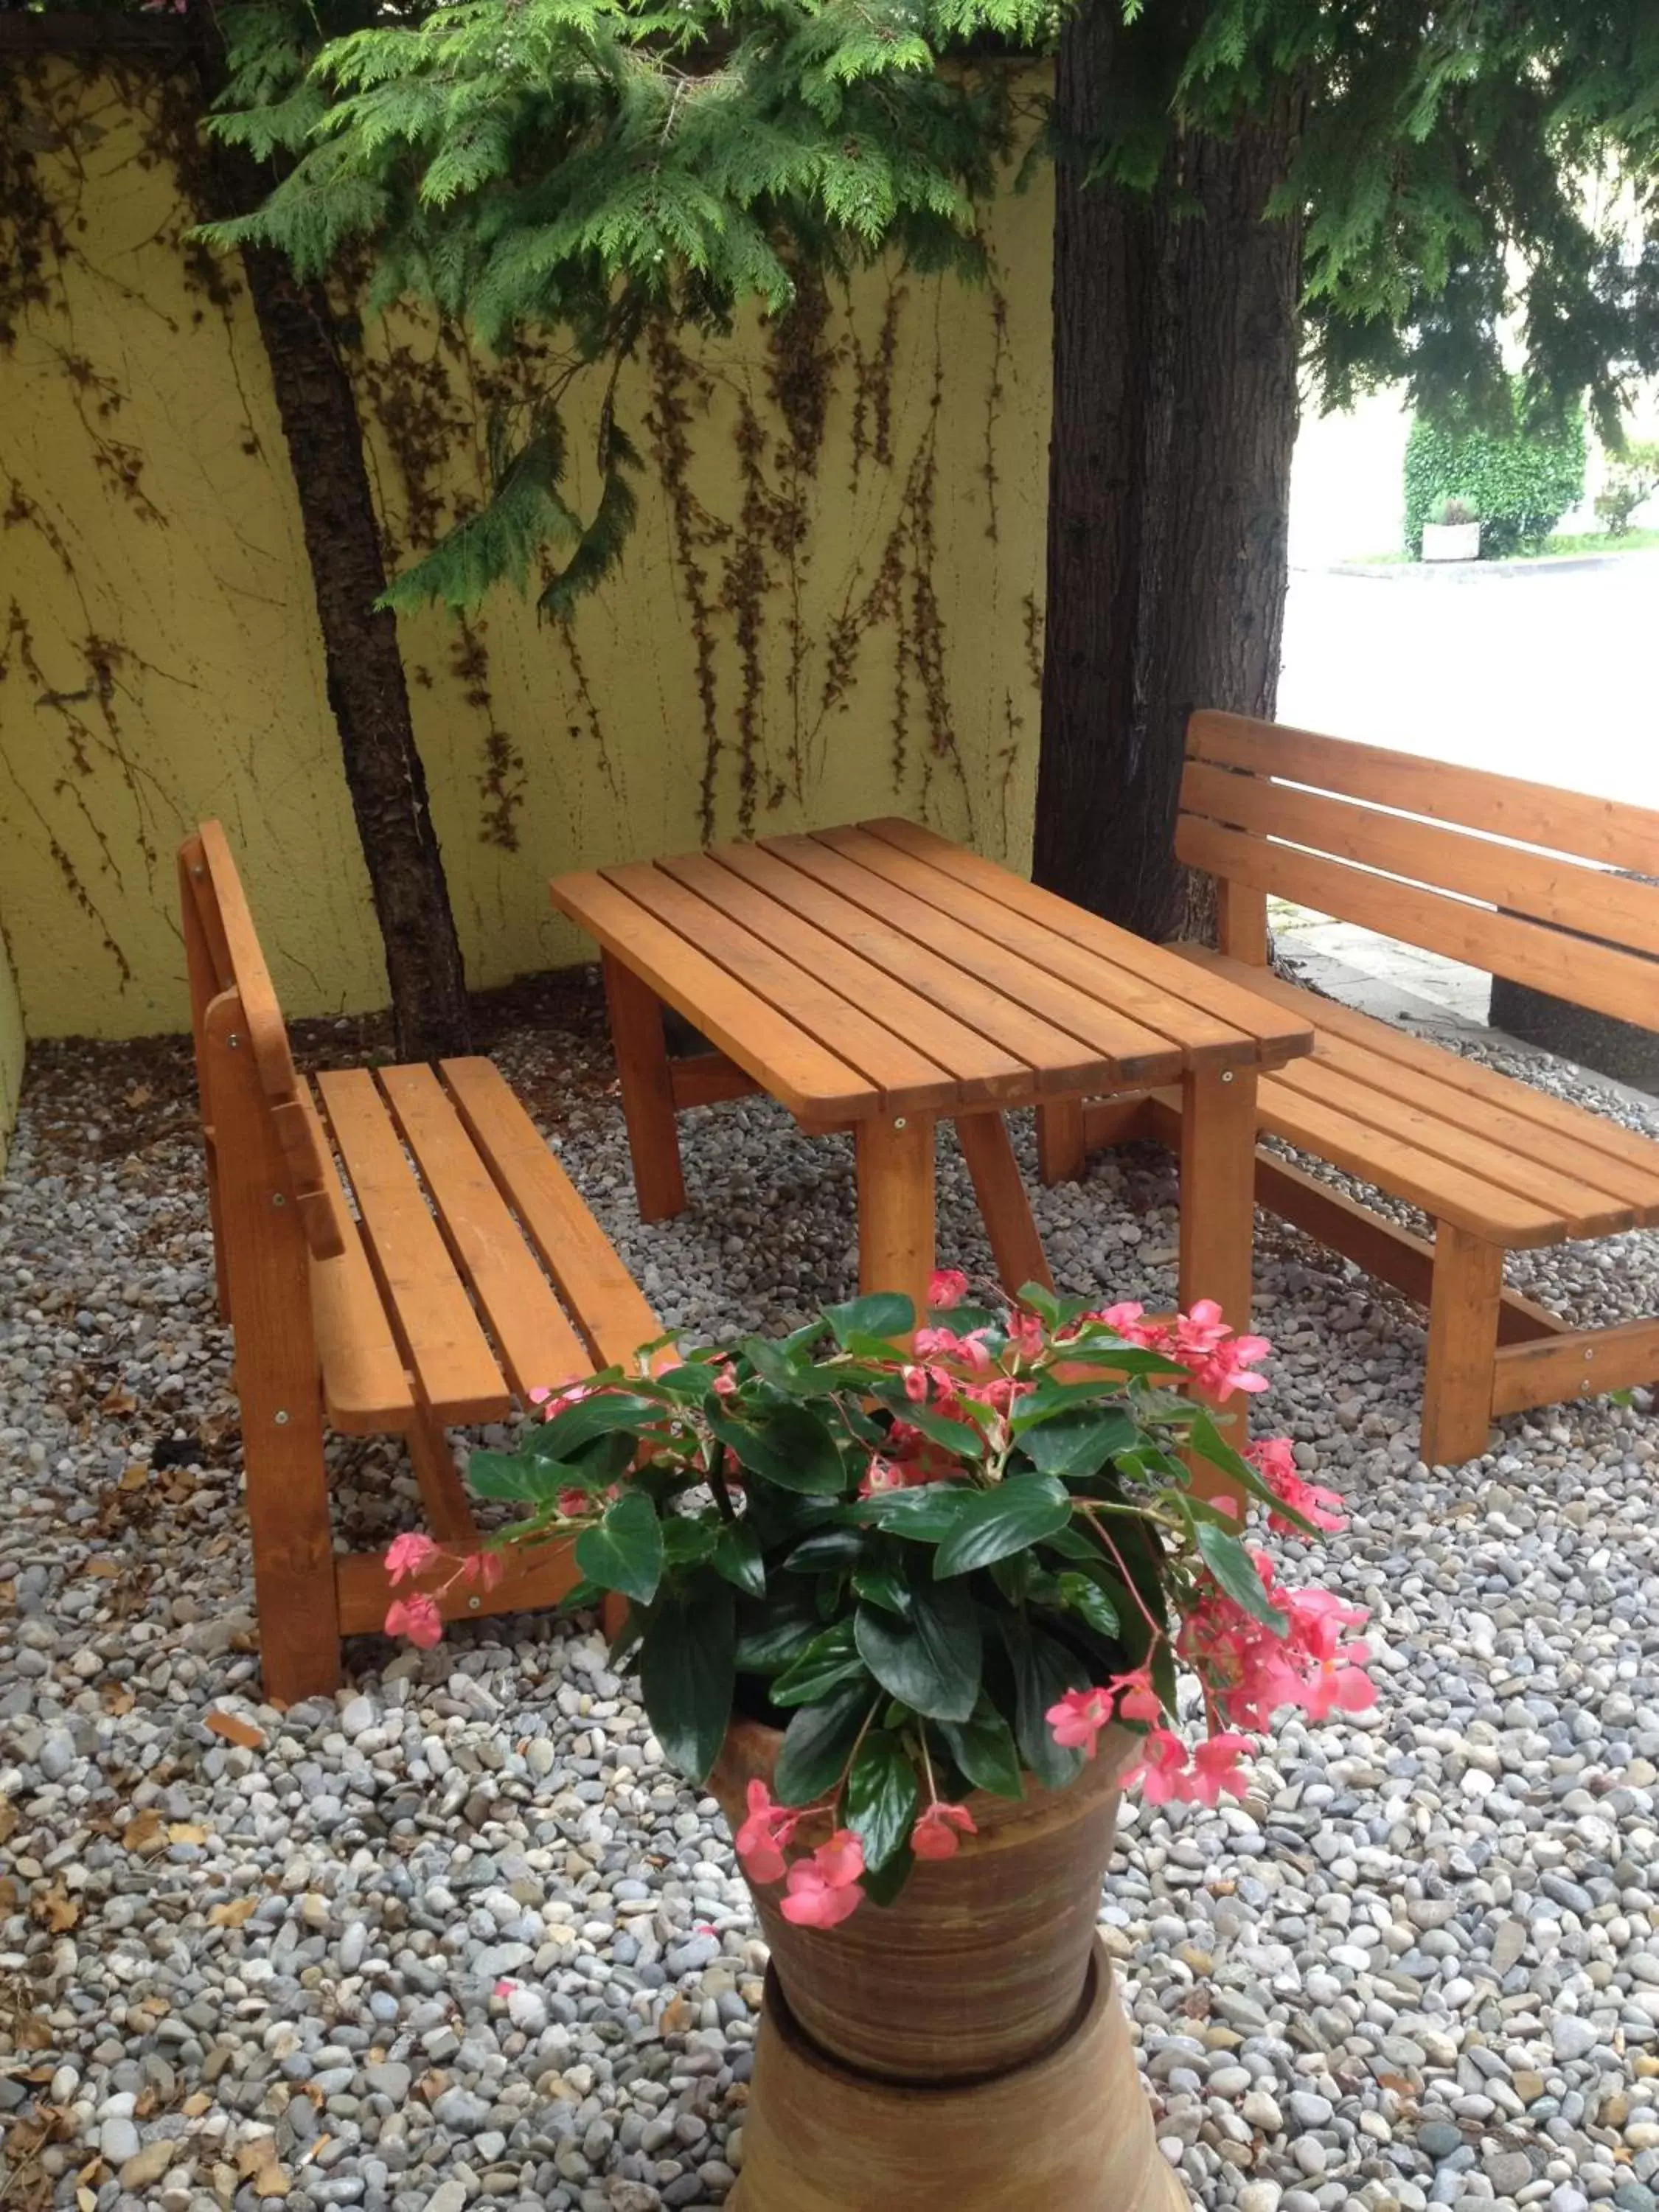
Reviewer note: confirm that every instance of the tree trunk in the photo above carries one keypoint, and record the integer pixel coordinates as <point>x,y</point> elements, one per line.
<point>1175,414</point>
<point>364,668</point>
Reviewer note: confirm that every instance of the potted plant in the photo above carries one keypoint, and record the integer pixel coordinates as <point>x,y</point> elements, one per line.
<point>1452,532</point>
<point>915,1605</point>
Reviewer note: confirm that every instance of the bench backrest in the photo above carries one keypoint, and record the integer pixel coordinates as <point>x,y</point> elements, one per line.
<point>1355,831</point>
<point>226,964</point>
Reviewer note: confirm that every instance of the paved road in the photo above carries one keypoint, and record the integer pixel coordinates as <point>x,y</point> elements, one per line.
<point>1545,671</point>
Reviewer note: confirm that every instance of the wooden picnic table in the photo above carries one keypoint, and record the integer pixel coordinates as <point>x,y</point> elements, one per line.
<point>878,978</point>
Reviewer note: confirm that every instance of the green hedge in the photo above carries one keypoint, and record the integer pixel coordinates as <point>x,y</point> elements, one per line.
<point>1520,483</point>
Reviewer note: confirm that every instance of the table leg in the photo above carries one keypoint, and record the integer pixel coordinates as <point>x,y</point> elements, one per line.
<point>1218,1190</point>
<point>1062,1152</point>
<point>1015,1244</point>
<point>648,1090</point>
<point>895,1205</point>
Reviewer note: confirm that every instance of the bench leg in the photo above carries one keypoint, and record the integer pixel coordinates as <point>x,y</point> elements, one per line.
<point>895,1205</point>
<point>443,1494</point>
<point>648,1090</point>
<point>1463,1317</point>
<point>1061,1154</point>
<point>1015,1244</point>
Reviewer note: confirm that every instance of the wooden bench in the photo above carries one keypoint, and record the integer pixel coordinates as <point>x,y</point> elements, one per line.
<point>1357,832</point>
<point>398,1251</point>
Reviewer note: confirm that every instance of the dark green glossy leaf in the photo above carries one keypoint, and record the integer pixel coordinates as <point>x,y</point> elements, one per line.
<point>588,1418</point>
<point>885,1885</point>
<point>771,1641</point>
<point>1043,1671</point>
<point>830,1659</point>
<point>737,1557</point>
<point>510,1475</point>
<point>982,1746</point>
<point>883,1315</point>
<point>880,1804</point>
<point>1079,1442</point>
<point>1021,1510</point>
<point>581,1597</point>
<point>1016,1575</point>
<point>817,1744</point>
<point>687,1670</point>
<point>961,1437</point>
<point>1083,1595</point>
<point>687,1543</point>
<point>882,1586</point>
<point>625,1553</point>
<point>791,1448</point>
<point>1235,1569</point>
<point>925,1515</point>
<point>1208,1441</point>
<point>826,1550</point>
<point>932,1662</point>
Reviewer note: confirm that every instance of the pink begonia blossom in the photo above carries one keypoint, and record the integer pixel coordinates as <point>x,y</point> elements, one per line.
<point>1275,1462</point>
<point>1025,1334</point>
<point>945,1344</point>
<point>1199,1341</point>
<point>823,1890</point>
<point>485,1567</point>
<point>571,1503</point>
<point>1216,1766</point>
<point>725,1384</point>
<point>939,1830</point>
<point>555,1402</point>
<point>764,1836</point>
<point>889,1475</point>
<point>1137,1700</point>
<point>946,1287</point>
<point>410,1555</point>
<point>417,1618</point>
<point>1077,1718</point>
<point>1163,1772</point>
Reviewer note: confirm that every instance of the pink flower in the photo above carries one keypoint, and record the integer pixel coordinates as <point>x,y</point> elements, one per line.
<point>485,1567</point>
<point>553,1403</point>
<point>888,1474</point>
<point>571,1503</point>
<point>1077,1720</point>
<point>726,1384</point>
<point>915,1384</point>
<point>945,1344</point>
<point>417,1618</point>
<point>1162,1770</point>
<point>1137,1700</point>
<point>935,1835</point>
<point>1274,1462</point>
<point>946,1287</point>
<point>1026,1338</point>
<point>410,1555</point>
<point>823,1890</point>
<point>1122,1318</point>
<point>764,1836</point>
<point>1216,1764</point>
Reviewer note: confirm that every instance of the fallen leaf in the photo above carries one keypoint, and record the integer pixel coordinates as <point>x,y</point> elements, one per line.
<point>118,1400</point>
<point>57,1909</point>
<point>9,1819</point>
<point>145,1831</point>
<point>234,1914</point>
<point>235,1730</point>
<point>7,1893</point>
<point>186,1831</point>
<point>117,1698</point>
<point>140,1095</point>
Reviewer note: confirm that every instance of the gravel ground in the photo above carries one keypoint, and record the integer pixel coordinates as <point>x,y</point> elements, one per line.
<point>459,1936</point>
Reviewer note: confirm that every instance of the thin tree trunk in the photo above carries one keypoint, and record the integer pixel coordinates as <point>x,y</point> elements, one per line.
<point>1175,413</point>
<point>1104,323</point>
<point>367,689</point>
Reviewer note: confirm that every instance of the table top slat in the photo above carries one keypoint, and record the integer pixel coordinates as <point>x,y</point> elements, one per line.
<point>1277,1035</point>
<point>812,1083</point>
<point>906,1080</point>
<point>1115,1049</point>
<point>982,1071</point>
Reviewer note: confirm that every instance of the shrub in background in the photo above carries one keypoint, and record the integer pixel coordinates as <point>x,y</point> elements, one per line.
<point>1632,478</point>
<point>1520,479</point>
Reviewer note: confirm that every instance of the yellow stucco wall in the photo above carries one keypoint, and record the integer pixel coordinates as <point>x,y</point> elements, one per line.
<point>11,1051</point>
<point>810,623</point>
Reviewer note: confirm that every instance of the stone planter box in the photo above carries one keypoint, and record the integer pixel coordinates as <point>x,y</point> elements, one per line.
<point>1451,541</point>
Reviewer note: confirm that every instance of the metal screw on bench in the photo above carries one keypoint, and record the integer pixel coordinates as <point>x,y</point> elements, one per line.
<point>1226,1075</point>
<point>278,1198</point>
<point>898,1121</point>
<point>280,1417</point>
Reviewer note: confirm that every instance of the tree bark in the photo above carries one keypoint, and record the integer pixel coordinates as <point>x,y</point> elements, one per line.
<point>367,688</point>
<point>1175,412</point>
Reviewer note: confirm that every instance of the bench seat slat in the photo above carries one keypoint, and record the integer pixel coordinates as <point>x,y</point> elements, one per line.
<point>365,1385</point>
<point>603,1298</point>
<point>426,1299</point>
<point>537,1344</point>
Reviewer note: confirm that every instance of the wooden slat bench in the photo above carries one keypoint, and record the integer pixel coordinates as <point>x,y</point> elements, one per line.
<point>1357,832</point>
<point>397,1252</point>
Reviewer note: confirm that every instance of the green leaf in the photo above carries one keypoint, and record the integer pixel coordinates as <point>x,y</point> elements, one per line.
<point>1208,1441</point>
<point>580,1596</point>
<point>687,1540</point>
<point>1083,1595</point>
<point>588,1418</point>
<point>925,1515</point>
<point>1018,1512</point>
<point>687,1667</point>
<point>625,1553</point>
<point>884,1885</point>
<point>829,1661</point>
<point>1078,1444</point>
<point>1043,1671</point>
<point>1235,1569</point>
<point>770,1643</point>
<point>880,1805</point>
<point>737,1557</point>
<point>882,1586</point>
<point>817,1744</point>
<point>932,1662</point>
<point>510,1475</point>
<point>883,1315</point>
<point>959,1437</point>
<point>829,1549</point>
<point>982,1746</point>
<point>793,1450</point>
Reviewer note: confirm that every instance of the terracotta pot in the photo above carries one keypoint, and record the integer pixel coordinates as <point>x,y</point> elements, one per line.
<point>979,1965</point>
<point>1070,2132</point>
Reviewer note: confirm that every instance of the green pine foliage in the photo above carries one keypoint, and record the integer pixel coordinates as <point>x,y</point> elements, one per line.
<point>1520,481</point>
